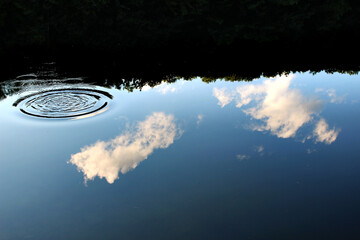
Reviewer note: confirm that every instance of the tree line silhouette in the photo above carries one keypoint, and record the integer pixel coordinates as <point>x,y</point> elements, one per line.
<point>179,37</point>
<point>131,24</point>
<point>49,74</point>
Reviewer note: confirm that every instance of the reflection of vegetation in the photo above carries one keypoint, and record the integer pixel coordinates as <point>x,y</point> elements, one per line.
<point>139,39</point>
<point>136,25</point>
<point>48,75</point>
<point>2,94</point>
<point>231,78</point>
<point>114,23</point>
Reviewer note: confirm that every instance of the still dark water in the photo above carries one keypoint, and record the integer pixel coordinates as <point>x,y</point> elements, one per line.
<point>275,158</point>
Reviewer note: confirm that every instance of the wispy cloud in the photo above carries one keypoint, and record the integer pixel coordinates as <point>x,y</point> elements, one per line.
<point>200,118</point>
<point>324,134</point>
<point>242,157</point>
<point>165,88</point>
<point>105,159</point>
<point>260,149</point>
<point>310,151</point>
<point>334,98</point>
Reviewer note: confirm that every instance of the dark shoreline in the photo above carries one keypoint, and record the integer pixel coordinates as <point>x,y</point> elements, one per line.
<point>156,39</point>
<point>243,63</point>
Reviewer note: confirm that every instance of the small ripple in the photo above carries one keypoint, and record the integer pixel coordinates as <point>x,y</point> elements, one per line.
<point>64,103</point>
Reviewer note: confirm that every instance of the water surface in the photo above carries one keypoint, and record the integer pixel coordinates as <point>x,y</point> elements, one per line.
<point>274,158</point>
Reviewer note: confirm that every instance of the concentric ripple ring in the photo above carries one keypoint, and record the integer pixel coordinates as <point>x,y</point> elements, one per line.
<point>64,103</point>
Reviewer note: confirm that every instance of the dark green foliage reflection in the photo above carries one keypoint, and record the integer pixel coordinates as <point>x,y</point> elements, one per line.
<point>121,24</point>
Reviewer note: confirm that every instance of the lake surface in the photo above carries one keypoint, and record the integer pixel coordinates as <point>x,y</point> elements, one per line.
<point>274,158</point>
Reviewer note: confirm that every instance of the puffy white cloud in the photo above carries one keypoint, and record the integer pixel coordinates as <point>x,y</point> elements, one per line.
<point>324,134</point>
<point>245,94</point>
<point>281,110</point>
<point>125,152</point>
<point>146,88</point>
<point>223,96</point>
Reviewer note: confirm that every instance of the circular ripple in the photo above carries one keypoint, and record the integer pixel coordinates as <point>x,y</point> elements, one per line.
<point>64,103</point>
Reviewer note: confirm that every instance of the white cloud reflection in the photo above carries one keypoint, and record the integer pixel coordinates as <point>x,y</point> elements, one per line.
<point>224,96</point>
<point>164,87</point>
<point>260,149</point>
<point>126,151</point>
<point>200,118</point>
<point>281,109</point>
<point>324,134</point>
<point>242,157</point>
<point>334,98</point>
